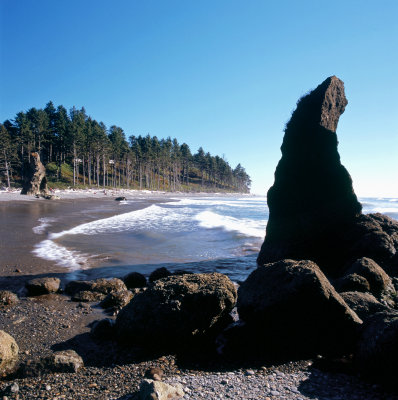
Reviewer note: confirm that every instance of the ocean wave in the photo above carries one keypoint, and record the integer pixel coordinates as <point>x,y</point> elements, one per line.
<point>384,210</point>
<point>72,259</point>
<point>211,202</point>
<point>245,227</point>
<point>44,224</point>
<point>152,217</point>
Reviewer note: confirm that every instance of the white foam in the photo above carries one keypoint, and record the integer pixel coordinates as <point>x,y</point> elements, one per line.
<point>385,210</point>
<point>211,202</point>
<point>245,227</point>
<point>44,223</point>
<point>71,259</point>
<point>179,216</point>
<point>147,218</point>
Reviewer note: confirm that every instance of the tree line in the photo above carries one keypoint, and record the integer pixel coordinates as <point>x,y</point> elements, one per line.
<point>78,150</point>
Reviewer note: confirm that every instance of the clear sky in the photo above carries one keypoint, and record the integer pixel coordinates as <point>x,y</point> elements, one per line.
<point>222,74</point>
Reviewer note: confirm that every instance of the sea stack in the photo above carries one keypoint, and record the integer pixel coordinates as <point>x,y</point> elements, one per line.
<point>35,182</point>
<point>312,199</point>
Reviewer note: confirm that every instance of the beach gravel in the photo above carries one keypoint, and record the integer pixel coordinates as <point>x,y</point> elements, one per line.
<point>110,373</point>
<point>122,383</point>
<point>300,384</point>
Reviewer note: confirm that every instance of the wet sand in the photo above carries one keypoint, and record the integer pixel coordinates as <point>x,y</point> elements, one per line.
<point>17,238</point>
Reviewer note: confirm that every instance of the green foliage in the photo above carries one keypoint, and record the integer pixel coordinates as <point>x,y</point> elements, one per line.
<point>77,150</point>
<point>66,173</point>
<point>51,169</point>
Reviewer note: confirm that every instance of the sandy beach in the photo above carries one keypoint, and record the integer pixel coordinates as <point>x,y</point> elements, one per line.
<point>22,225</point>
<point>20,215</point>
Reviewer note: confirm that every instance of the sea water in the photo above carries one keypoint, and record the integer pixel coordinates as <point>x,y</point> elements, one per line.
<point>198,234</point>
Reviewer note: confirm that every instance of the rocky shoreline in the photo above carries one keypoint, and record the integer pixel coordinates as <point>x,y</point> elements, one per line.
<point>49,323</point>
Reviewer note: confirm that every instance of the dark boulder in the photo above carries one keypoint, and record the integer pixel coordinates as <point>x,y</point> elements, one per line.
<point>35,181</point>
<point>176,309</point>
<point>95,290</point>
<point>377,351</point>
<point>103,329</point>
<point>64,361</point>
<point>74,287</point>
<point>8,298</point>
<point>363,304</point>
<point>380,283</point>
<point>121,198</point>
<point>116,301</point>
<point>312,197</point>
<point>134,280</point>
<point>100,285</point>
<point>352,283</point>
<point>159,273</point>
<point>51,197</point>
<point>373,236</point>
<point>85,296</point>
<point>39,286</point>
<point>296,311</point>
<point>59,361</point>
<point>387,225</point>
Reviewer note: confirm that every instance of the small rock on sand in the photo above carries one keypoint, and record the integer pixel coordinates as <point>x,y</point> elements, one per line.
<point>39,286</point>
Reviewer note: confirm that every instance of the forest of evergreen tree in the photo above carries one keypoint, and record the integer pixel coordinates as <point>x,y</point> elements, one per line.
<point>79,151</point>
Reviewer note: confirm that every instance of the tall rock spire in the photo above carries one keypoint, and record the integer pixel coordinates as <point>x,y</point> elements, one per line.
<point>312,197</point>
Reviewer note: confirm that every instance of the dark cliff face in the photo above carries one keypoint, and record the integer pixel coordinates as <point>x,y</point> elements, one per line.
<point>312,197</point>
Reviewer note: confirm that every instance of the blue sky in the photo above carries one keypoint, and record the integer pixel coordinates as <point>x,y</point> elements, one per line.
<point>224,75</point>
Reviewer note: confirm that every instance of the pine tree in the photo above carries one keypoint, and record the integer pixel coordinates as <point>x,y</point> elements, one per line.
<point>7,153</point>
<point>67,141</point>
